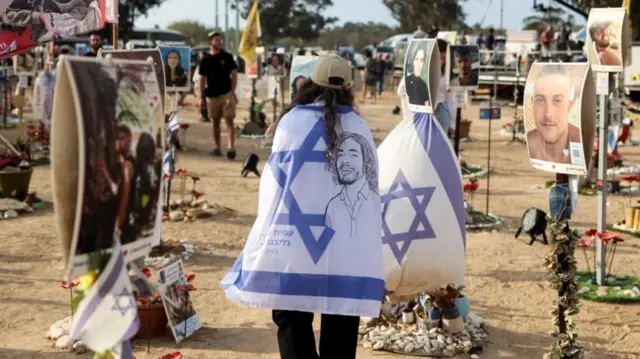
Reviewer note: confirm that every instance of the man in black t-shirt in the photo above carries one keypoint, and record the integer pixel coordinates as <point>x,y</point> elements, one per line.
<point>95,43</point>
<point>220,72</point>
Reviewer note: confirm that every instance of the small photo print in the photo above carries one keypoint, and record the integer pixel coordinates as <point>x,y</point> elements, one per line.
<point>417,75</point>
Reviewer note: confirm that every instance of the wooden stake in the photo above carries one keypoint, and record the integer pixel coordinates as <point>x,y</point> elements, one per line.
<point>115,36</point>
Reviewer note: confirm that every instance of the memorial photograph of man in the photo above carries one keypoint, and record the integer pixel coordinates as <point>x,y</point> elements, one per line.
<point>555,133</point>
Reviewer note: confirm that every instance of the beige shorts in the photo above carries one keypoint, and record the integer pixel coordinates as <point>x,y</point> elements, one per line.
<point>221,107</point>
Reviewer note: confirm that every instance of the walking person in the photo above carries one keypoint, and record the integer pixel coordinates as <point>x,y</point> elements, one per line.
<point>370,78</point>
<point>444,108</point>
<point>295,280</point>
<point>381,66</point>
<point>204,116</point>
<point>219,73</point>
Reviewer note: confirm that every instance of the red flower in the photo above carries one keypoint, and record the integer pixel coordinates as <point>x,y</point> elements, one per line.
<point>186,288</point>
<point>165,176</point>
<point>190,277</point>
<point>146,271</point>
<point>181,172</point>
<point>195,178</point>
<point>606,237</point>
<point>184,126</point>
<point>197,194</point>
<point>590,232</point>
<point>176,355</point>
<point>584,243</point>
<point>68,285</point>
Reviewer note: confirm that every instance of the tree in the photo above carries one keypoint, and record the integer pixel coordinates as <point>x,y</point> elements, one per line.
<point>196,32</point>
<point>297,19</point>
<point>551,15</point>
<point>357,35</point>
<point>584,6</point>
<point>447,14</point>
<point>129,11</point>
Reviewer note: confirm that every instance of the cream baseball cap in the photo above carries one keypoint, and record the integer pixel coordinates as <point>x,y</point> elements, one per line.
<point>332,71</point>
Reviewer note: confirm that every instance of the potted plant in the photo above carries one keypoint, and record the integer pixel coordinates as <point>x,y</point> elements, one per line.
<point>153,318</point>
<point>445,299</point>
<point>465,128</point>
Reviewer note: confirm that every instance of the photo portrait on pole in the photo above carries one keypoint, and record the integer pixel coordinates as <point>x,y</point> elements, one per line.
<point>608,39</point>
<point>422,74</point>
<point>464,66</point>
<point>559,116</point>
<point>177,67</point>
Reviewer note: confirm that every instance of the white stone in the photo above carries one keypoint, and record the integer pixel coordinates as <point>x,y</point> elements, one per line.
<point>433,330</point>
<point>56,332</point>
<point>583,290</point>
<point>64,342</point>
<point>409,348</point>
<point>442,339</point>
<point>379,345</point>
<point>475,356</point>
<point>10,214</point>
<point>435,343</point>
<point>176,216</point>
<point>367,345</point>
<point>475,320</point>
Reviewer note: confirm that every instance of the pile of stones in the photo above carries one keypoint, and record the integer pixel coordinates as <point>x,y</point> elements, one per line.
<point>410,339</point>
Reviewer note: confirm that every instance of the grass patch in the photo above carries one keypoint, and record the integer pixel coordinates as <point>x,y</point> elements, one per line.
<point>584,190</point>
<point>624,282</point>
<point>611,228</point>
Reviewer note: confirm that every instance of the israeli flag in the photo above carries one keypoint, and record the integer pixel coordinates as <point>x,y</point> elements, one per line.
<point>316,244</point>
<point>107,316</point>
<point>423,215</point>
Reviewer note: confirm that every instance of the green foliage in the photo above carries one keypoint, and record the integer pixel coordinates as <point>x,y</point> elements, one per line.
<point>357,35</point>
<point>129,11</point>
<point>447,14</point>
<point>613,295</point>
<point>298,19</point>
<point>634,15</point>
<point>552,15</point>
<point>561,264</point>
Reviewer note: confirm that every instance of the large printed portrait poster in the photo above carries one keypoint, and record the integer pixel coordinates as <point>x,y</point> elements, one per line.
<point>608,36</point>
<point>422,74</point>
<point>103,123</point>
<point>27,23</point>
<point>301,67</point>
<point>559,117</point>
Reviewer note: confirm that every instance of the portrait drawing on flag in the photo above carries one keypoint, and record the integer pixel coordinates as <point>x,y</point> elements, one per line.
<point>353,167</point>
<point>104,124</point>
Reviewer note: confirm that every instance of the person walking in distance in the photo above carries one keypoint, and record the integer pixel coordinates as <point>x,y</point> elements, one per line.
<point>220,72</point>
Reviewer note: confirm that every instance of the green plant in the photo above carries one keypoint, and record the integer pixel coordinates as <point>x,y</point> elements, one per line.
<point>257,108</point>
<point>562,267</point>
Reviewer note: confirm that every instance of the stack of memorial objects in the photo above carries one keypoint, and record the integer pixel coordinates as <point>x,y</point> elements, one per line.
<point>191,205</point>
<point>630,224</point>
<point>15,177</point>
<point>169,251</point>
<point>475,220</point>
<point>435,324</point>
<point>617,288</point>
<point>40,141</point>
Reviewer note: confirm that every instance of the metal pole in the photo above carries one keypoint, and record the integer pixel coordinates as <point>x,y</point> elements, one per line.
<point>237,34</point>
<point>456,141</point>
<point>489,154</point>
<point>601,183</point>
<point>217,23</point>
<point>226,24</point>
<point>501,14</point>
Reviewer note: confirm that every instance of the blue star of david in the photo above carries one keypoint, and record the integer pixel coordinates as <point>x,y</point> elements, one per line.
<point>295,217</point>
<point>400,242</point>
<point>125,295</point>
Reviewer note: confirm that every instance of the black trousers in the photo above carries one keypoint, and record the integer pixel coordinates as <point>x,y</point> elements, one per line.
<point>338,335</point>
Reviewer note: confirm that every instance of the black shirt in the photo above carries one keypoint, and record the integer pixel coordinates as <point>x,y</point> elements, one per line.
<point>217,69</point>
<point>416,90</point>
<point>90,54</point>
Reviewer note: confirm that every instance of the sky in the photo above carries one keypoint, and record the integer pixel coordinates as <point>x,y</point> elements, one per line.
<point>345,10</point>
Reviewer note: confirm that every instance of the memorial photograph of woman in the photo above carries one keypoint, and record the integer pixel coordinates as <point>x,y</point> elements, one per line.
<point>416,74</point>
<point>177,65</point>
<point>552,114</point>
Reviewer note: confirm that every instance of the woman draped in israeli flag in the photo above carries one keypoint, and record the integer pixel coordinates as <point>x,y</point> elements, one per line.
<point>316,244</point>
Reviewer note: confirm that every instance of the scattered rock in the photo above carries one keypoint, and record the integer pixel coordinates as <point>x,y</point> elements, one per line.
<point>10,214</point>
<point>584,290</point>
<point>176,216</point>
<point>64,342</point>
<point>79,347</point>
<point>198,213</point>
<point>475,356</point>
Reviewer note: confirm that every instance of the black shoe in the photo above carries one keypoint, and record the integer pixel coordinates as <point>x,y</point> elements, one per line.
<point>216,152</point>
<point>231,154</point>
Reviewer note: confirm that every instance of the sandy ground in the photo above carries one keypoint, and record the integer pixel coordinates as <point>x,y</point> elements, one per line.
<point>506,279</point>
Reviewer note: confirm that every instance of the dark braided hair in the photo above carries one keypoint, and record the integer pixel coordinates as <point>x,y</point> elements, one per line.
<point>309,93</point>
